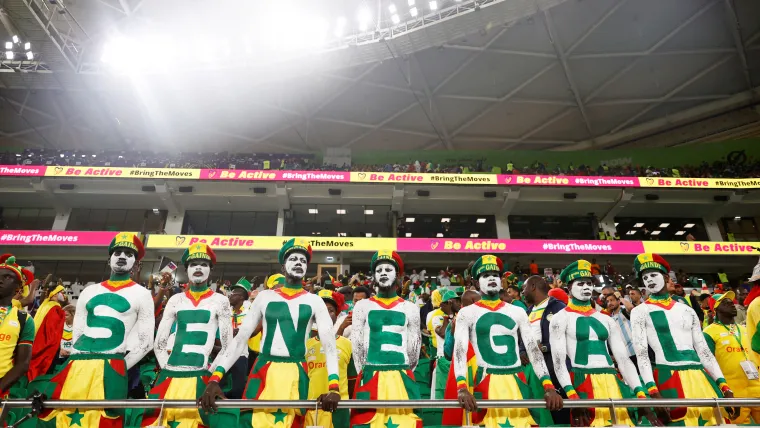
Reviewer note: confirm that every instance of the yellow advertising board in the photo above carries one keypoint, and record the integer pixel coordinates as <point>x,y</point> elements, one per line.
<point>118,172</point>
<point>702,248</point>
<point>274,243</point>
<point>423,178</point>
<point>700,183</point>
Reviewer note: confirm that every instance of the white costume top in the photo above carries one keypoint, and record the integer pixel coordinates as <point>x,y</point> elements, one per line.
<point>287,321</point>
<point>493,333</point>
<point>584,338</point>
<point>106,315</point>
<point>197,323</point>
<point>386,333</point>
<point>673,331</point>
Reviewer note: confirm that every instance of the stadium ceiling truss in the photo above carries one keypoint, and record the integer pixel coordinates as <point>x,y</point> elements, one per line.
<point>552,74</point>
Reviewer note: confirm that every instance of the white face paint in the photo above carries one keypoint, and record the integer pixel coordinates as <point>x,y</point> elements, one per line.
<point>582,289</point>
<point>385,275</point>
<point>490,283</point>
<point>60,297</point>
<point>653,280</point>
<point>122,261</point>
<point>198,271</point>
<point>295,265</point>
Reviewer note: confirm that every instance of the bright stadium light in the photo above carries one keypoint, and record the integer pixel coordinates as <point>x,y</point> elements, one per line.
<point>395,19</point>
<point>27,46</point>
<point>8,45</point>
<point>8,54</point>
<point>392,8</point>
<point>474,235</point>
<point>29,55</point>
<point>365,18</point>
<point>413,12</point>
<point>313,211</point>
<point>411,3</point>
<point>408,235</point>
<point>340,27</point>
<point>433,5</point>
<point>15,39</point>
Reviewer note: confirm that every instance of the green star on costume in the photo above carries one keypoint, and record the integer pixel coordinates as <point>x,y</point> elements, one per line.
<point>279,416</point>
<point>390,424</point>
<point>173,424</point>
<point>506,424</point>
<point>76,418</point>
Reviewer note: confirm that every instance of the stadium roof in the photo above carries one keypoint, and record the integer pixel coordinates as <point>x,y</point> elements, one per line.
<point>515,74</point>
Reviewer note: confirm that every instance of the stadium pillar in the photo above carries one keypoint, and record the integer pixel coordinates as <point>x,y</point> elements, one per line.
<point>502,228</point>
<point>174,220</point>
<point>280,222</point>
<point>61,219</point>
<point>713,230</point>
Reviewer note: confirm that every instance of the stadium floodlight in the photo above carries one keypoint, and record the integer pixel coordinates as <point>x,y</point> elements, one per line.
<point>411,3</point>
<point>8,54</point>
<point>656,232</point>
<point>365,18</point>
<point>30,56</point>
<point>9,45</point>
<point>340,27</point>
<point>680,232</point>
<point>445,220</point>
<point>340,212</point>
<point>369,212</point>
<point>439,235</point>
<point>408,235</point>
<point>638,225</point>
<point>737,218</point>
<point>27,46</point>
<point>313,211</point>
<point>368,235</point>
<point>413,11</point>
<point>410,219</point>
<point>395,19</point>
<point>474,235</point>
<point>688,226</point>
<point>633,232</point>
<point>433,5</point>
<point>664,225</point>
<point>15,39</point>
<point>480,220</point>
<point>392,8</point>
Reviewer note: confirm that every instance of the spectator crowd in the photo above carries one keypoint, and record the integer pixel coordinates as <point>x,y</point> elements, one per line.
<point>585,331</point>
<point>744,168</point>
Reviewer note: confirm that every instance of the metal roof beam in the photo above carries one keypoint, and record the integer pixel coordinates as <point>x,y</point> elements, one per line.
<point>734,27</point>
<point>562,57</point>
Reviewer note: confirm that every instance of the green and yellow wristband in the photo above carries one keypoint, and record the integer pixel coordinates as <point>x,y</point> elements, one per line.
<point>332,382</point>
<point>217,375</point>
<point>461,383</point>
<point>571,393</point>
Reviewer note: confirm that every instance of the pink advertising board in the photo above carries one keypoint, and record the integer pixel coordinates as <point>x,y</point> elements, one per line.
<point>535,246</point>
<point>55,238</point>
<point>274,175</point>
<point>22,170</point>
<point>567,180</point>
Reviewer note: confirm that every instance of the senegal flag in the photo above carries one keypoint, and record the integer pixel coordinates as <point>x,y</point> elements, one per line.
<point>456,417</point>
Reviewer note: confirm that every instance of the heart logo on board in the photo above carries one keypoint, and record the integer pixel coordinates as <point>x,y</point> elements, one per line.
<point>212,173</point>
<point>650,181</point>
<point>685,246</point>
<point>509,179</point>
<point>58,170</point>
<point>179,240</point>
<point>362,176</point>
<point>433,245</point>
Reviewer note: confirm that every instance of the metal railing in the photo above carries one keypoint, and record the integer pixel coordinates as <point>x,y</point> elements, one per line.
<point>612,404</point>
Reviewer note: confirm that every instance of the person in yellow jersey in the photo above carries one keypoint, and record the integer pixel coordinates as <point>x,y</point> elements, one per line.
<point>729,342</point>
<point>317,369</point>
<point>17,331</point>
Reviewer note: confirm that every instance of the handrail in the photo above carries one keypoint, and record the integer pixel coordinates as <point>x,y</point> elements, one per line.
<point>397,404</point>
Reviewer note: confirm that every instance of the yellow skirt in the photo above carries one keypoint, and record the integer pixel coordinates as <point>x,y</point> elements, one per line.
<point>275,380</point>
<point>178,386</point>
<point>386,384</point>
<point>601,386</point>
<point>503,385</point>
<point>687,382</point>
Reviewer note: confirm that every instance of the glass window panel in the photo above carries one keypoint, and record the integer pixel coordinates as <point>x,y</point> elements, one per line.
<point>218,223</point>
<point>133,221</point>
<point>265,224</point>
<point>115,220</point>
<point>97,220</point>
<point>154,222</point>
<point>195,222</point>
<point>78,219</point>
<point>243,223</point>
